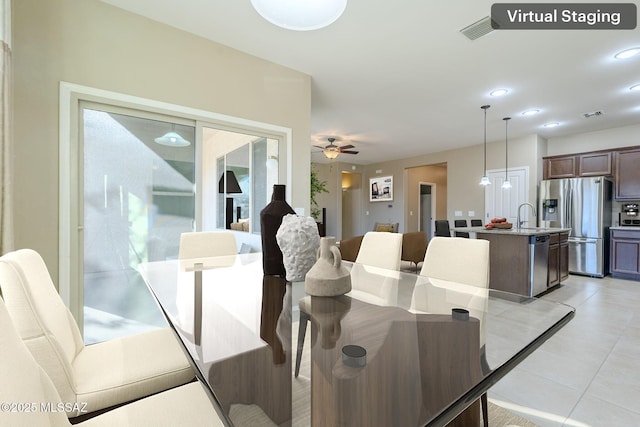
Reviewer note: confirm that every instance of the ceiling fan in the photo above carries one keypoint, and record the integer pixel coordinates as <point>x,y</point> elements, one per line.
<point>332,151</point>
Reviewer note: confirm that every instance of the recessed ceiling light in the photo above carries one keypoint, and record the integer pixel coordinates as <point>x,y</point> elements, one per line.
<point>627,53</point>
<point>300,15</point>
<point>498,92</point>
<point>635,87</point>
<point>551,125</point>
<point>530,112</point>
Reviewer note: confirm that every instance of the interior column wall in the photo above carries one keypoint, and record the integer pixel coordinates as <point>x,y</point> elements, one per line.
<point>93,44</point>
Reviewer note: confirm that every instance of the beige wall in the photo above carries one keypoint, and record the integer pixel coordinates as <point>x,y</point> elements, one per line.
<point>625,136</point>
<point>90,43</point>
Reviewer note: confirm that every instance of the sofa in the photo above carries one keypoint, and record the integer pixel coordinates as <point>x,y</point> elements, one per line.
<point>241,225</point>
<point>414,248</point>
<point>391,227</point>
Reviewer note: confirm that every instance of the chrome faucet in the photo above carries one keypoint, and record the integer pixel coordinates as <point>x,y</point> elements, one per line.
<point>533,211</point>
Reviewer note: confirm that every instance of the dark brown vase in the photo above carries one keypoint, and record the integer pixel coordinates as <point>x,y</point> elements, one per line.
<point>270,221</point>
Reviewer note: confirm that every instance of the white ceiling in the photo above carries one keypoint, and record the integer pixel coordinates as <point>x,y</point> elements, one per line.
<point>398,79</point>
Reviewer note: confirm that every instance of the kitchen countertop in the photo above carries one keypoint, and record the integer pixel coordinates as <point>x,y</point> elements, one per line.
<point>622,227</point>
<point>524,231</point>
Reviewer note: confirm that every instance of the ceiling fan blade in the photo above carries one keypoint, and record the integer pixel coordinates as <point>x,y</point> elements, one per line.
<point>322,147</point>
<point>346,147</point>
<point>349,152</point>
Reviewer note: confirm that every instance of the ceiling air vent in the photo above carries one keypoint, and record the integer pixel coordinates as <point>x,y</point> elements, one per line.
<point>594,114</point>
<point>478,29</point>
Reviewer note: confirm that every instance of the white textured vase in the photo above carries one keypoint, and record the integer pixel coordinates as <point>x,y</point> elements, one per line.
<point>298,240</point>
<point>328,277</point>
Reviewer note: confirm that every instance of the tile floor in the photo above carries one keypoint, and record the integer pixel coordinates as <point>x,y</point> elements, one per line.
<point>588,374</point>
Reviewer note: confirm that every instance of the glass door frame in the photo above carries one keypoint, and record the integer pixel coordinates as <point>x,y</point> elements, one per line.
<point>70,224</point>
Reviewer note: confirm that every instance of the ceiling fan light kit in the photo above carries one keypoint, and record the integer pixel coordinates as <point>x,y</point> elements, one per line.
<point>332,151</point>
<point>300,15</point>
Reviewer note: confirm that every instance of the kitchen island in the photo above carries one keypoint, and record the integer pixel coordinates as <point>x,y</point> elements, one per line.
<point>526,261</point>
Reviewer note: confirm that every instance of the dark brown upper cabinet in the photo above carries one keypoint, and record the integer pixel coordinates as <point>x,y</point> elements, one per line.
<point>560,167</point>
<point>597,163</point>
<point>594,164</point>
<point>627,174</point>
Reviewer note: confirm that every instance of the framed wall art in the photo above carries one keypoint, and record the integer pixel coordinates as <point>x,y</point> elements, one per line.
<point>381,189</point>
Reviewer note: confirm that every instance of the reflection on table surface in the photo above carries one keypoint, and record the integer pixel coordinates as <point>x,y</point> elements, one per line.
<point>423,366</point>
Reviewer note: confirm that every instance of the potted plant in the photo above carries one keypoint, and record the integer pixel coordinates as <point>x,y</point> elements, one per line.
<point>317,186</point>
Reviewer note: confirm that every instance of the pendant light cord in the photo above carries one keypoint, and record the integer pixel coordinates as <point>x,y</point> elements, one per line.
<point>485,108</point>
<point>506,147</point>
<point>485,142</point>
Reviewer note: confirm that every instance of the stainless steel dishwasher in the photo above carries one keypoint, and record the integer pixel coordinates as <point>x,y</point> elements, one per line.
<point>538,263</point>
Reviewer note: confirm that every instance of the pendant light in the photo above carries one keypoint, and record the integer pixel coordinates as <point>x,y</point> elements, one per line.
<point>172,139</point>
<point>506,183</point>
<point>485,179</point>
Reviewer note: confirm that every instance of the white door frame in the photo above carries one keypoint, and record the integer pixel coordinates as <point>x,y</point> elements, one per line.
<point>519,177</point>
<point>433,206</point>
<point>70,226</point>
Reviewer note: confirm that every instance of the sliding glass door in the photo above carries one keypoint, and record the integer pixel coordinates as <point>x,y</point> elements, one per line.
<point>138,195</point>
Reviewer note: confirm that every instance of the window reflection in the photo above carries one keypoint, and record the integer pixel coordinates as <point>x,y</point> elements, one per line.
<point>246,168</point>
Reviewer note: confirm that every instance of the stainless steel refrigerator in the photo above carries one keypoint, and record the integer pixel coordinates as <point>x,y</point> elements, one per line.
<point>584,205</point>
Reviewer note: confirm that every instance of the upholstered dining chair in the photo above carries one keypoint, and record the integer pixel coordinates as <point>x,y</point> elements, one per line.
<point>103,374</point>
<point>207,245</point>
<point>458,267</point>
<point>27,385</point>
<point>373,276</point>
<point>442,228</point>
<point>381,249</point>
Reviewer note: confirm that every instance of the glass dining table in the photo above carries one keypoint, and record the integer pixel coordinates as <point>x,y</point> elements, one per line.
<point>399,349</point>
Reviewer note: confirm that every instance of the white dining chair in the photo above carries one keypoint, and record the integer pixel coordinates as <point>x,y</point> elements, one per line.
<point>26,385</point>
<point>457,270</point>
<point>458,260</point>
<point>103,374</point>
<point>381,249</point>
<point>213,248</point>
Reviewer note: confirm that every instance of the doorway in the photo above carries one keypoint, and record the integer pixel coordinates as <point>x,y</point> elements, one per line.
<point>150,195</point>
<point>351,204</point>
<point>503,203</point>
<point>426,207</point>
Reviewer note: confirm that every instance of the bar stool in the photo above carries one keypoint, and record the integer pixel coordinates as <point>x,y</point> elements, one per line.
<point>442,228</point>
<point>460,223</point>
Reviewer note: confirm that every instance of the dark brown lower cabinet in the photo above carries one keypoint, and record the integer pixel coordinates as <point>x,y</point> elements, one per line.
<point>554,260</point>
<point>558,258</point>
<point>625,253</point>
<point>564,256</point>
